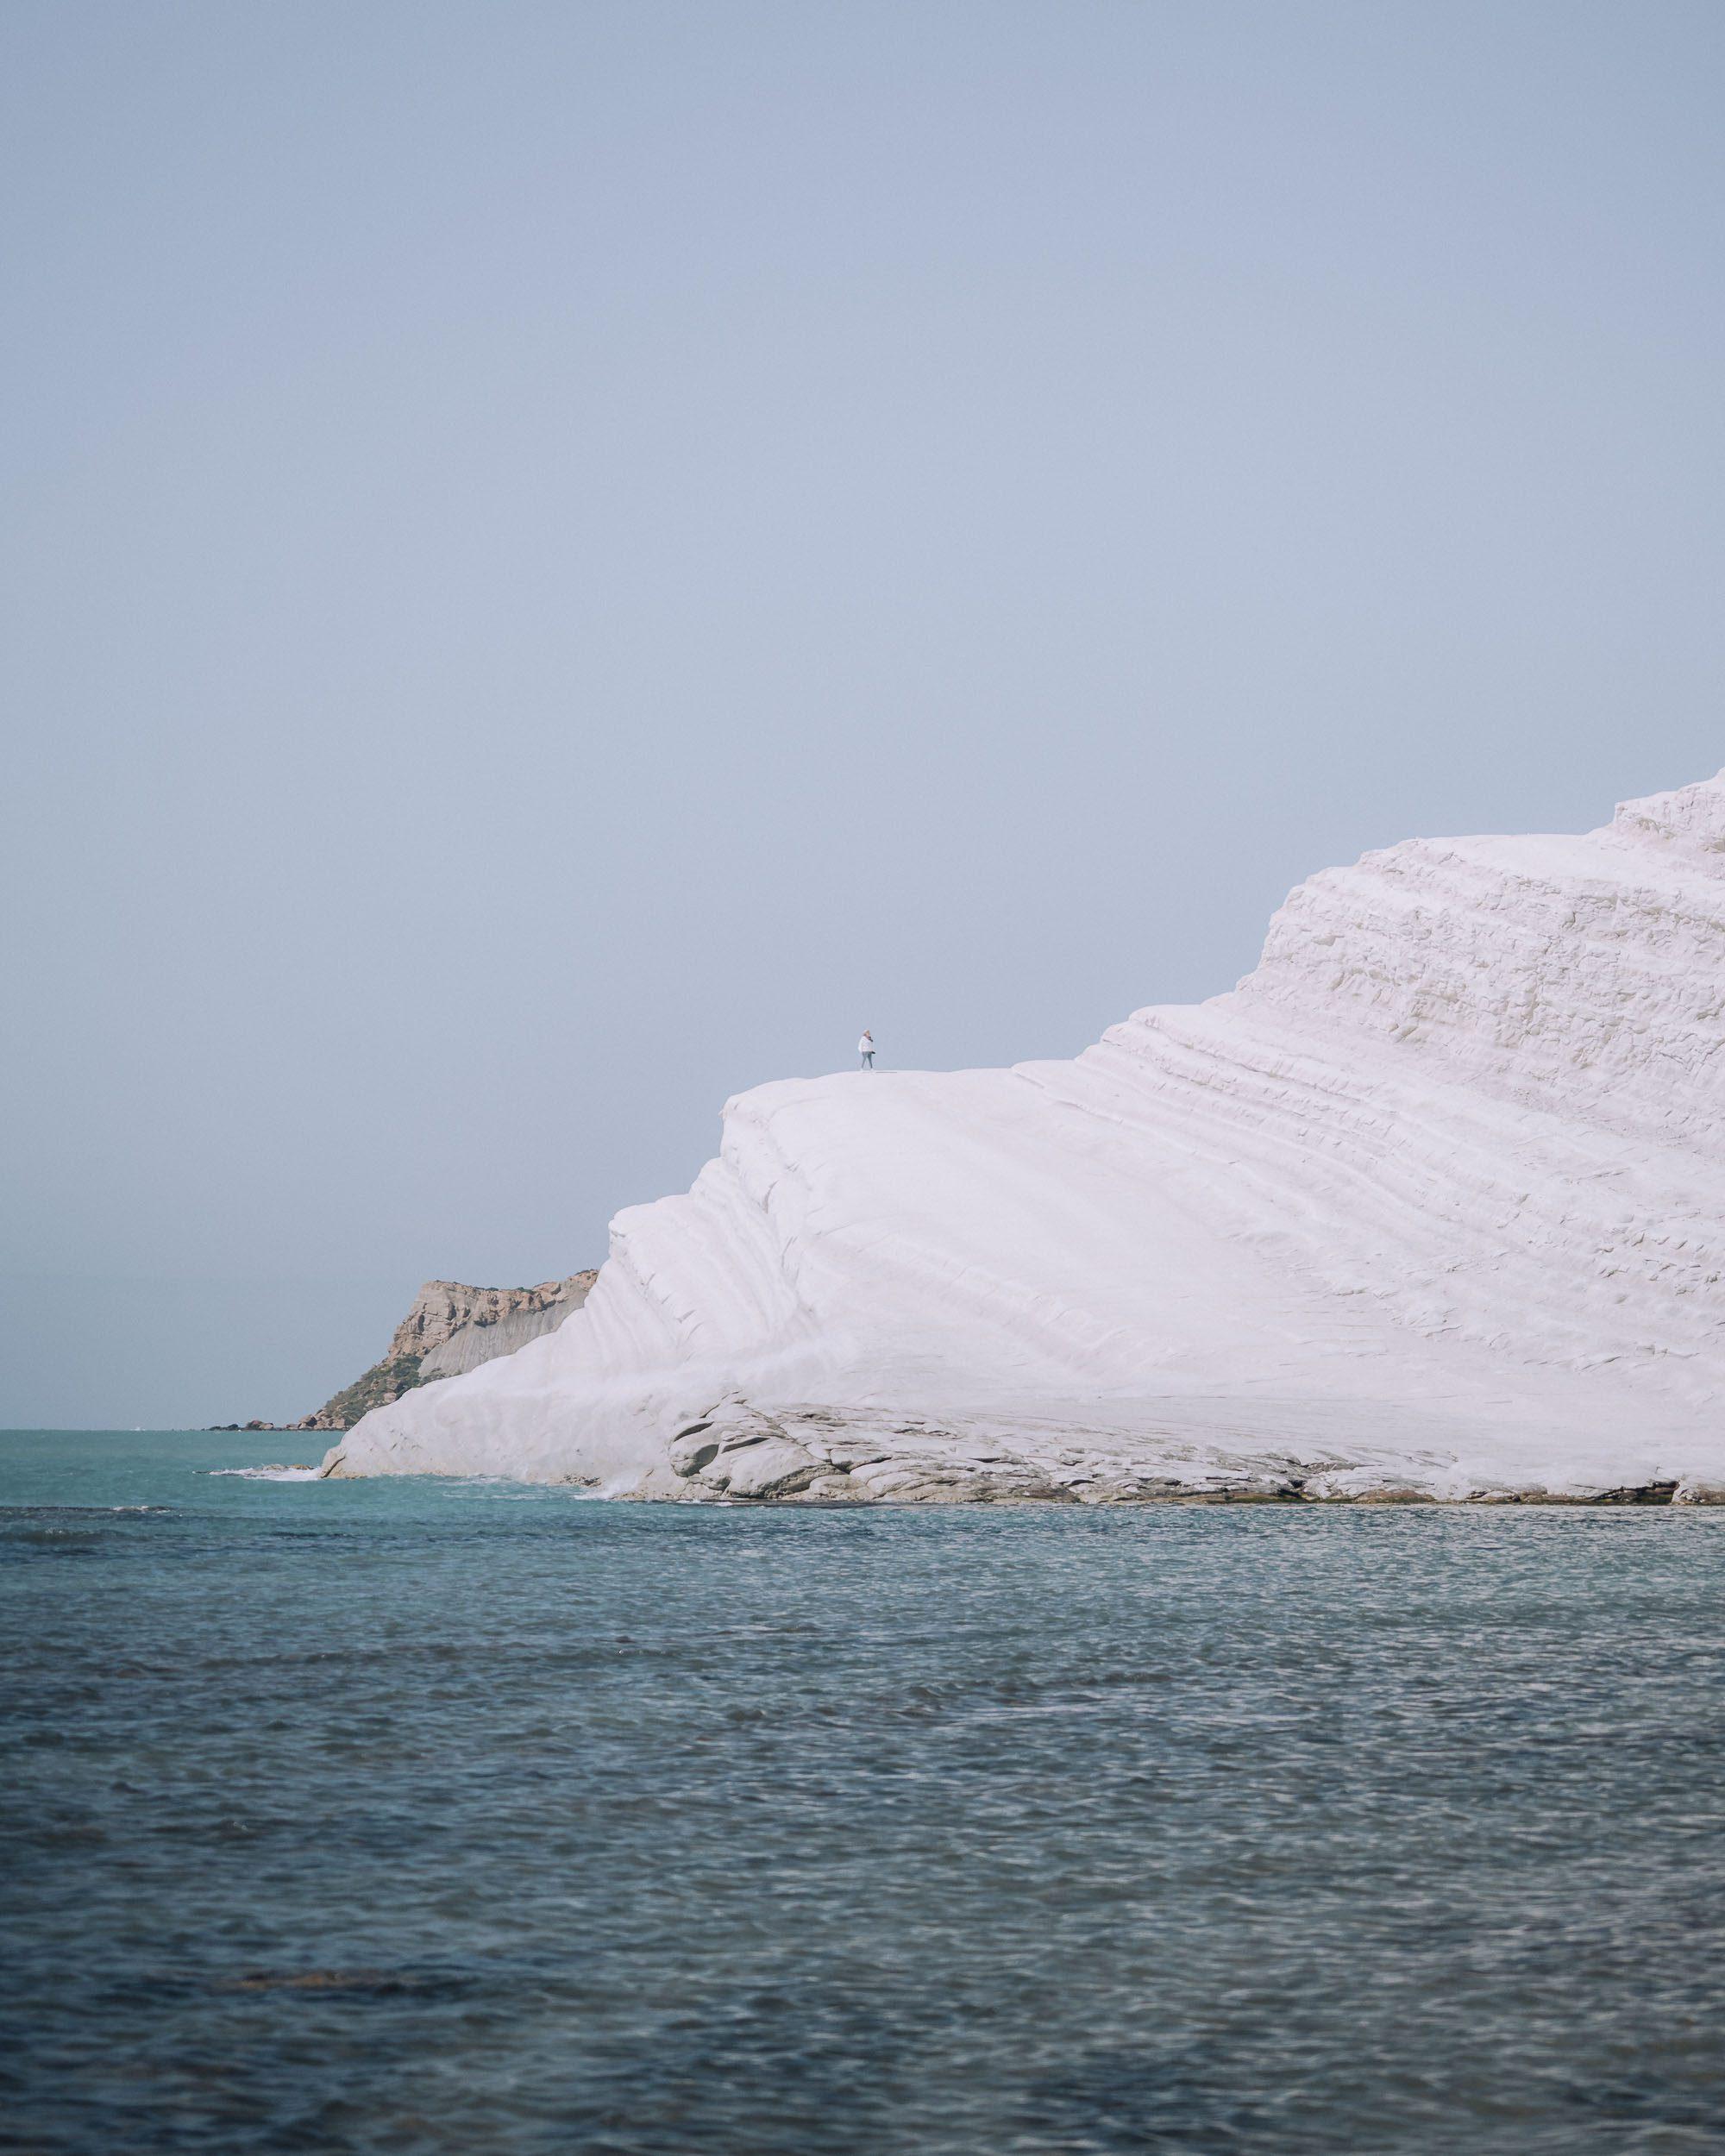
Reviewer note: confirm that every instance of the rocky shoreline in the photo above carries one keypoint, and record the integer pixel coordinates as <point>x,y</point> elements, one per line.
<point>738,1454</point>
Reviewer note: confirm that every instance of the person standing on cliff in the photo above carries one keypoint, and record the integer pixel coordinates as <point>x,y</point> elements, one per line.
<point>865,1049</point>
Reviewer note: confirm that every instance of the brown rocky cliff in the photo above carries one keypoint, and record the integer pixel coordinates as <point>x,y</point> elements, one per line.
<point>451,1328</point>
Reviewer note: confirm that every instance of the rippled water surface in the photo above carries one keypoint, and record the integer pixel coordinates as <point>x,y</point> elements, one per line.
<point>460,1817</point>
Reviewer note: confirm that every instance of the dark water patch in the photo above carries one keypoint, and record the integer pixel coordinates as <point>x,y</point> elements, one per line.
<point>355,1817</point>
<point>355,1983</point>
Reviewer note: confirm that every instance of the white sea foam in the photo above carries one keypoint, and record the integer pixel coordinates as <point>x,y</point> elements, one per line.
<point>270,1474</point>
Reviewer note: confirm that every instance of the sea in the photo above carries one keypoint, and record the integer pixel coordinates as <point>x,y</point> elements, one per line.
<point>478,1819</point>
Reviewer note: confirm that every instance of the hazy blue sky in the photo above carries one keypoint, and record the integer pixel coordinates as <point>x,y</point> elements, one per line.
<point>559,560</point>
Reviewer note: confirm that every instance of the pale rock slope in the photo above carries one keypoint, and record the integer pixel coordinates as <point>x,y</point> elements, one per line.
<point>1433,1203</point>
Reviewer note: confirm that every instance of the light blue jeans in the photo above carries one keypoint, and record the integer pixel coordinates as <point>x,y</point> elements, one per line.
<point>868,1062</point>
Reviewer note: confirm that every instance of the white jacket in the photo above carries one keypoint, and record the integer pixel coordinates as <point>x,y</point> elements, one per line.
<point>865,1046</point>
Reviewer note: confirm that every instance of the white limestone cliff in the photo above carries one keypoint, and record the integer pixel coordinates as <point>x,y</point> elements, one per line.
<point>1433,1203</point>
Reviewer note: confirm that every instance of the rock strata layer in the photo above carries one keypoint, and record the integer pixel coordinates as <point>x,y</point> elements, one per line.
<point>1431,1205</point>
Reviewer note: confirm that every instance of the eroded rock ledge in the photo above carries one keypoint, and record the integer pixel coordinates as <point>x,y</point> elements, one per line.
<point>740,1453</point>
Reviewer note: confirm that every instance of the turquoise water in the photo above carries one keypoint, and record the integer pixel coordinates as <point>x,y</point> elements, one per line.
<point>439,1817</point>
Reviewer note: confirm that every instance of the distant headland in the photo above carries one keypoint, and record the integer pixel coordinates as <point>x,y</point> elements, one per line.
<point>450,1328</point>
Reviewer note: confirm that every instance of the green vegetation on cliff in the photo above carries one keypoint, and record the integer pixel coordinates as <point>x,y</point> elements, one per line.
<point>384,1381</point>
